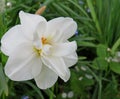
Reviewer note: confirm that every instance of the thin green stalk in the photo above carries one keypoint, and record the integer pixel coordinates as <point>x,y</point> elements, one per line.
<point>51,94</point>
<point>95,92</point>
<point>100,89</point>
<point>90,5</point>
<point>115,46</point>
<point>100,86</point>
<point>95,76</point>
<point>35,88</point>
<point>3,96</point>
<point>99,80</point>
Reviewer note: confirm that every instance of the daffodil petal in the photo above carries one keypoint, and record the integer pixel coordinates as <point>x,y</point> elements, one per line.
<point>12,38</point>
<point>47,49</point>
<point>58,66</point>
<point>68,30</point>
<point>53,25</point>
<point>64,49</point>
<point>46,78</point>
<point>61,28</point>
<point>40,30</point>
<point>37,41</point>
<point>23,64</point>
<point>71,59</point>
<point>30,22</point>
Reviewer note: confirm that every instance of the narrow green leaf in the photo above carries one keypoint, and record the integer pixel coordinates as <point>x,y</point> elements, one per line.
<point>93,14</point>
<point>85,44</point>
<point>60,9</point>
<point>79,7</point>
<point>3,82</point>
<point>71,12</point>
<point>36,89</point>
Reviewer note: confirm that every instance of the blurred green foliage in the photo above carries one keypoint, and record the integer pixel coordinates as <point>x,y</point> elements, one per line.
<point>97,73</point>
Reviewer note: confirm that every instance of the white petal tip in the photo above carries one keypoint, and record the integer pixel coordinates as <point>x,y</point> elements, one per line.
<point>21,12</point>
<point>66,77</point>
<point>74,44</point>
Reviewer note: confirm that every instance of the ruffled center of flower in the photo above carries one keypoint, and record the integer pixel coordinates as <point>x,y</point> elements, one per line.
<point>44,41</point>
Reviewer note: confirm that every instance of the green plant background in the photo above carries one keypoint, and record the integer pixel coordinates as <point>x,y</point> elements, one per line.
<point>97,72</point>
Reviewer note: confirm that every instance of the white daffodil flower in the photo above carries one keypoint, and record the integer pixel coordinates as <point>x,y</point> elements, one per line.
<point>40,50</point>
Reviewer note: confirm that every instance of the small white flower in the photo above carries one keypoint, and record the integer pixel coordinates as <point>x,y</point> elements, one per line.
<point>77,69</point>
<point>9,4</point>
<point>118,54</point>
<point>88,76</point>
<point>108,49</point>
<point>40,50</point>
<point>64,95</point>
<point>70,94</point>
<point>108,59</point>
<point>83,68</point>
<point>116,58</point>
<point>80,78</point>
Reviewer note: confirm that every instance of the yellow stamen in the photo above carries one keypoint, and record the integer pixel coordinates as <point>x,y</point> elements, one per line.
<point>38,51</point>
<point>45,41</point>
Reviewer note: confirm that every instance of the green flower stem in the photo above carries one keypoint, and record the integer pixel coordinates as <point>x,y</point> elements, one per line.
<point>90,5</point>
<point>115,46</point>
